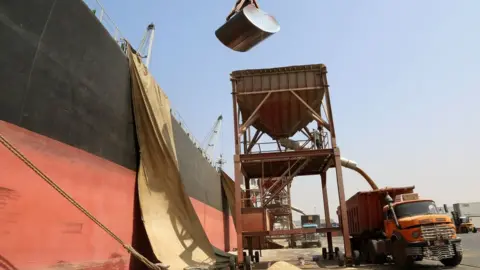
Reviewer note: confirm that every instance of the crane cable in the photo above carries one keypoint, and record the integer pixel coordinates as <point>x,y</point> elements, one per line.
<point>129,248</point>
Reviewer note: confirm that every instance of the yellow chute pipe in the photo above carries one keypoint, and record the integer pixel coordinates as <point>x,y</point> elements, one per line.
<point>350,164</point>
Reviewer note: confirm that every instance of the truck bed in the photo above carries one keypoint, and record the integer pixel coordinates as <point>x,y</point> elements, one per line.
<point>365,209</point>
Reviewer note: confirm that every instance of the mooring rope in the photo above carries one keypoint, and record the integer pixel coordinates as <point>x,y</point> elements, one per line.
<point>129,248</point>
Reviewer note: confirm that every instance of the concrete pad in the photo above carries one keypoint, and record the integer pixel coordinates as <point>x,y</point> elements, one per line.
<point>471,243</point>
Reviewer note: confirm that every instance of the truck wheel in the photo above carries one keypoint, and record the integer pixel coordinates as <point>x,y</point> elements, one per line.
<point>419,258</point>
<point>374,256</point>
<point>474,230</point>
<point>256,257</point>
<point>232,263</point>
<point>341,259</point>
<point>324,253</point>
<point>337,251</point>
<point>356,257</point>
<point>454,261</point>
<point>247,263</point>
<point>402,261</point>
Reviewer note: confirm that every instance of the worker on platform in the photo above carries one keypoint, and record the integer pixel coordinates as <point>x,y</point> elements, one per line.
<point>239,5</point>
<point>317,136</point>
<point>316,139</point>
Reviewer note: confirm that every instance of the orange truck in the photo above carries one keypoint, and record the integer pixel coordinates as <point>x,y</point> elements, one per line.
<point>396,223</point>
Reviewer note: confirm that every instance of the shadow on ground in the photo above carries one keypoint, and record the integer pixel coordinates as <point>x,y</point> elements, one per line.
<point>291,256</point>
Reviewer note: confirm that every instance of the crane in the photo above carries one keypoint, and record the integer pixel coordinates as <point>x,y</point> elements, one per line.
<point>208,144</point>
<point>147,44</point>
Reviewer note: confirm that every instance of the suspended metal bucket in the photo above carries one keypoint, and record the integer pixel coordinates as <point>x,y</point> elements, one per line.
<point>247,28</point>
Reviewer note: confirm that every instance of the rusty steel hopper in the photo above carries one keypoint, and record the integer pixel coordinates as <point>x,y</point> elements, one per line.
<point>247,28</point>
<point>280,101</point>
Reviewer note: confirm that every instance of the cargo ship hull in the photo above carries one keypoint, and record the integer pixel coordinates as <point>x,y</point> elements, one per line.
<point>66,105</point>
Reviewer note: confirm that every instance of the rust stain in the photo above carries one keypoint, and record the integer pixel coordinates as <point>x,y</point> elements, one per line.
<point>8,216</point>
<point>73,227</point>
<point>7,195</point>
<point>115,262</point>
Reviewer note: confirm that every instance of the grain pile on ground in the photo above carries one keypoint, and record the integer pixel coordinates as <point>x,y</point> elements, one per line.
<point>283,266</point>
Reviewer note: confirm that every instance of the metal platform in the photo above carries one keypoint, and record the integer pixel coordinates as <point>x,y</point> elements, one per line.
<point>292,231</point>
<point>273,164</point>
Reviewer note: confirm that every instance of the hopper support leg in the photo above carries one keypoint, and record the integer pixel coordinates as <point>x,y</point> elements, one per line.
<point>238,177</point>
<point>238,208</point>
<point>328,222</point>
<point>343,208</point>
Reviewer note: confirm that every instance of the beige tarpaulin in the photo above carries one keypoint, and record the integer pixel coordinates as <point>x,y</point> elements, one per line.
<point>173,228</point>
<point>229,187</point>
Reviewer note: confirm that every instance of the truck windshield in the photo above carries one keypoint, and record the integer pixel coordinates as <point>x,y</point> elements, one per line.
<point>309,225</point>
<point>415,209</point>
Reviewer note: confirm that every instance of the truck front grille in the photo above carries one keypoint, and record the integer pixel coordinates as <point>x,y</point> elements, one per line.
<point>439,252</point>
<point>437,232</point>
<point>435,252</point>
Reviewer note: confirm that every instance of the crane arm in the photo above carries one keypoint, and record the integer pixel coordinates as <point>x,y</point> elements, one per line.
<point>209,142</point>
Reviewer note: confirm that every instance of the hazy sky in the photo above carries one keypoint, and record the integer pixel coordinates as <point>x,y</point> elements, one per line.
<point>404,79</point>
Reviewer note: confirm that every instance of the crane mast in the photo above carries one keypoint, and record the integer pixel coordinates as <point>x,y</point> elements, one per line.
<point>208,144</point>
<point>146,45</point>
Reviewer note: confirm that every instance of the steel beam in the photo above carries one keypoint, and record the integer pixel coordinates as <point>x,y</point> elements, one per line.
<point>285,155</point>
<point>339,175</point>
<point>280,90</point>
<point>238,180</point>
<point>293,231</point>
<point>314,114</point>
<point>253,116</point>
<point>327,213</point>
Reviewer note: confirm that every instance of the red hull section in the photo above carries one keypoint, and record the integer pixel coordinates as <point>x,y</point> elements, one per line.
<point>213,225</point>
<point>40,228</point>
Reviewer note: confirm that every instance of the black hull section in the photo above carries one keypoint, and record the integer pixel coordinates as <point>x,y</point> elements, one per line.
<point>63,76</point>
<point>201,180</point>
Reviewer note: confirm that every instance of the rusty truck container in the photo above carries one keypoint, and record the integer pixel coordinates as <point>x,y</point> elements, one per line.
<point>365,209</point>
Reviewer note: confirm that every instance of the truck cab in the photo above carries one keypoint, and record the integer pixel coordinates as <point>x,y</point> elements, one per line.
<point>415,230</point>
<point>407,228</point>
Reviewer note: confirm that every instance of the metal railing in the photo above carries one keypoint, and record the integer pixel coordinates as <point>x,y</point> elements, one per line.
<point>272,146</point>
<point>107,22</point>
<point>196,143</point>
